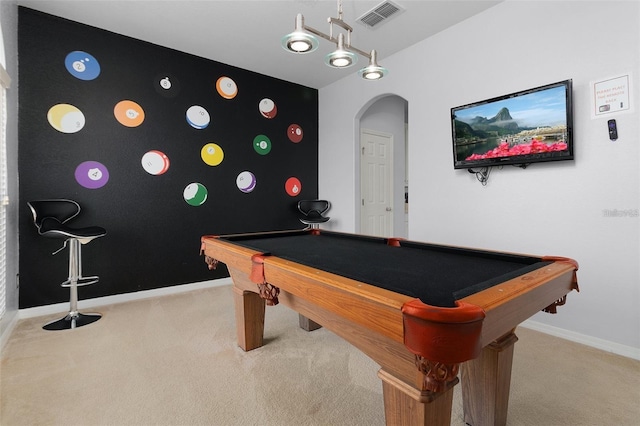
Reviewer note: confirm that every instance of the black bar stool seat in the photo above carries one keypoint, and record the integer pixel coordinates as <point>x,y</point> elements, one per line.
<point>313,212</point>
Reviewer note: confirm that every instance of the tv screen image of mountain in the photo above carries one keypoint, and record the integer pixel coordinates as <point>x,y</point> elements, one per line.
<point>520,128</point>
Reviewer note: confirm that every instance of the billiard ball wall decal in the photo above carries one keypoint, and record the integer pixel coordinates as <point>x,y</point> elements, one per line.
<point>93,175</point>
<point>268,108</point>
<point>198,117</point>
<point>166,84</point>
<point>82,65</point>
<point>226,87</point>
<point>128,113</point>
<point>66,118</point>
<point>212,154</point>
<point>155,162</point>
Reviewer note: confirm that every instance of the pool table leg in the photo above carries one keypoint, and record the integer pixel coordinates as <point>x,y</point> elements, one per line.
<point>307,324</point>
<point>249,308</point>
<point>406,405</point>
<point>486,381</point>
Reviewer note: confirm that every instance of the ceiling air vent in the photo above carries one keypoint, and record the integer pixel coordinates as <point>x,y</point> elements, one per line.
<point>380,14</point>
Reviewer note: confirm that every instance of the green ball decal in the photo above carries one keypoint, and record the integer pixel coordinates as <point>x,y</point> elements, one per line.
<point>262,144</point>
<point>195,194</point>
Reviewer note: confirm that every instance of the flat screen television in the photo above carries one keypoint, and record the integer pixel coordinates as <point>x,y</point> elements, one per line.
<point>518,129</point>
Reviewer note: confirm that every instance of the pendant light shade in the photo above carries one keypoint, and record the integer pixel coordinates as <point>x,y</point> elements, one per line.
<point>340,58</point>
<point>373,71</point>
<point>299,41</point>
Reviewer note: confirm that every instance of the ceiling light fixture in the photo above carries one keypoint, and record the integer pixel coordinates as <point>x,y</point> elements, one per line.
<point>302,40</point>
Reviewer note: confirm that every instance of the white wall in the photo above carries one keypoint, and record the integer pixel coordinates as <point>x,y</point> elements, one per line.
<point>547,209</point>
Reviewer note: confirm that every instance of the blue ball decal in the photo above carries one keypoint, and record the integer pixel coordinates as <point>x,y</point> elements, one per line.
<point>82,65</point>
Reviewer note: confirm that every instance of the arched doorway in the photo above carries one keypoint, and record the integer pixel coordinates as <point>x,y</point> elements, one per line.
<point>382,181</point>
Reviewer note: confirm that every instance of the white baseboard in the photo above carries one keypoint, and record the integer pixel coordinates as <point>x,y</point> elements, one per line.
<point>120,298</point>
<point>594,342</point>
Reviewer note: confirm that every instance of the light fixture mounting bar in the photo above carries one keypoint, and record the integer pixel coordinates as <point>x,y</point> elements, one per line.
<point>339,22</point>
<point>333,39</point>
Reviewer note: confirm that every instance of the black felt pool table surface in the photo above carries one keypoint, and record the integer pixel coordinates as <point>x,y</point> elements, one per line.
<point>436,274</point>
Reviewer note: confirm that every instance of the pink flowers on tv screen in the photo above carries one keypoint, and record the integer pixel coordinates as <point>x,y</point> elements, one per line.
<point>534,147</point>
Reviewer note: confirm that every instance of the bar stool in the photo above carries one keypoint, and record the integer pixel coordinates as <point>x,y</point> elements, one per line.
<point>313,212</point>
<point>50,217</point>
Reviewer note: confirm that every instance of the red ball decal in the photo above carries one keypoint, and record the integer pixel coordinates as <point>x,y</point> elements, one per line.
<point>294,132</point>
<point>268,108</point>
<point>293,186</point>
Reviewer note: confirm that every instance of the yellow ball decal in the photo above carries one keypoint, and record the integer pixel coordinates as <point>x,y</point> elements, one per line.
<point>212,154</point>
<point>66,118</point>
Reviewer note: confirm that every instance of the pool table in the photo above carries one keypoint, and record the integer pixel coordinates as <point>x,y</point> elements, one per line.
<point>423,312</point>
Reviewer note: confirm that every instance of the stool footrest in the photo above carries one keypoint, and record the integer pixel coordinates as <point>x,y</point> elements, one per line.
<point>81,281</point>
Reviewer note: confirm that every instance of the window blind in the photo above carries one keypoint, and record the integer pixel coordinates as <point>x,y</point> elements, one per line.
<point>4,197</point>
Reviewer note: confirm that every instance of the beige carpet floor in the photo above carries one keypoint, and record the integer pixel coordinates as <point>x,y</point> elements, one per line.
<point>173,360</point>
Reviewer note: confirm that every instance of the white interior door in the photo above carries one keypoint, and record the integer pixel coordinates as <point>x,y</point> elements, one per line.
<point>376,183</point>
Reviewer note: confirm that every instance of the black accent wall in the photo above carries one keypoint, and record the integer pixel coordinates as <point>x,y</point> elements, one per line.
<point>159,147</point>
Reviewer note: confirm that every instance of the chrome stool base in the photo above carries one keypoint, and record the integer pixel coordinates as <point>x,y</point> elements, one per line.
<point>72,320</point>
